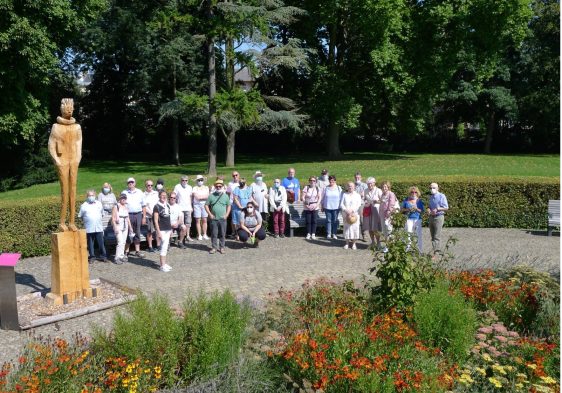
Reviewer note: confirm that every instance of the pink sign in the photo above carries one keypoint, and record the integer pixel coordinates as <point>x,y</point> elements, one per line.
<point>9,259</point>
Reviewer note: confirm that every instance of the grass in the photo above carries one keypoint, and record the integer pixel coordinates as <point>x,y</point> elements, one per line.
<point>381,165</point>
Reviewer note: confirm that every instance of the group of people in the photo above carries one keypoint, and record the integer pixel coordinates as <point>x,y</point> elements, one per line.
<point>365,208</point>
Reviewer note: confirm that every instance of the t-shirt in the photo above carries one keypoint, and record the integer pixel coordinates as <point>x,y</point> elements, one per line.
<point>151,199</point>
<point>408,204</point>
<point>259,192</point>
<point>184,196</point>
<point>251,221</point>
<point>175,213</point>
<point>91,214</point>
<point>135,200</point>
<point>244,195</point>
<point>218,203</point>
<point>164,220</point>
<point>108,201</point>
<point>293,185</point>
<point>311,197</point>
<point>332,198</point>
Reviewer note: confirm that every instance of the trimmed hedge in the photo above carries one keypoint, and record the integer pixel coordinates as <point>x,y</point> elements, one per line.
<point>26,227</point>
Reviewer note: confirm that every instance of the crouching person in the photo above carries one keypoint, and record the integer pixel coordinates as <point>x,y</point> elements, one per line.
<point>176,218</point>
<point>251,225</point>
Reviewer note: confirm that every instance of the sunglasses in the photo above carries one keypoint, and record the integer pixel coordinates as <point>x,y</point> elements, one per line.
<point>149,185</point>
<point>172,197</point>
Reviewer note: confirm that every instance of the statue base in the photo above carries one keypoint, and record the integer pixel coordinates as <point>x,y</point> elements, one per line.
<point>70,277</point>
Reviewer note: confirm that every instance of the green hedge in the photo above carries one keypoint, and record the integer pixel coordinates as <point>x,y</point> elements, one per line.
<point>26,227</point>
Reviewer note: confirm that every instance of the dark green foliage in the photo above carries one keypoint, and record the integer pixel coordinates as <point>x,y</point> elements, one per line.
<point>445,320</point>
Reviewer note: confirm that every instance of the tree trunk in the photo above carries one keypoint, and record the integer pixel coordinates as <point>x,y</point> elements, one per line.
<point>333,140</point>
<point>230,148</point>
<point>229,54</point>
<point>490,132</point>
<point>212,164</point>
<point>175,131</point>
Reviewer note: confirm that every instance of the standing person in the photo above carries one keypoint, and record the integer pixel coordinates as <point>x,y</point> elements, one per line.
<point>121,227</point>
<point>360,188</point>
<point>413,208</point>
<point>438,205</point>
<point>218,208</point>
<point>242,195</point>
<point>259,193</point>
<point>184,194</point>
<point>311,197</point>
<point>371,211</point>
<point>163,224</point>
<point>331,199</point>
<point>91,213</point>
<point>176,219</point>
<point>387,209</point>
<point>107,199</point>
<point>150,199</point>
<point>160,185</point>
<point>323,179</point>
<point>292,186</point>
<point>200,196</point>
<point>278,207</point>
<point>137,215</point>
<point>232,185</point>
<point>350,204</point>
<point>251,225</point>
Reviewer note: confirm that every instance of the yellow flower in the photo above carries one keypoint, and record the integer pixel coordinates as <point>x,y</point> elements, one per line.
<point>499,369</point>
<point>521,376</point>
<point>519,385</point>
<point>466,379</point>
<point>481,370</point>
<point>495,382</point>
<point>532,366</point>
<point>508,368</point>
<point>548,380</point>
<point>486,357</point>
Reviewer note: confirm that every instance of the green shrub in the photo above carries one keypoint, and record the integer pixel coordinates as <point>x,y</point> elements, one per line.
<point>403,274</point>
<point>445,320</point>
<point>27,227</point>
<point>197,346</point>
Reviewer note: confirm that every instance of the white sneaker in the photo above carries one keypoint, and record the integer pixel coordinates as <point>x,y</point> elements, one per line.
<point>165,268</point>
<point>206,237</point>
<point>313,236</point>
<point>354,247</point>
<point>188,239</point>
<point>334,236</point>
<point>200,237</point>
<point>308,236</point>
<point>346,246</point>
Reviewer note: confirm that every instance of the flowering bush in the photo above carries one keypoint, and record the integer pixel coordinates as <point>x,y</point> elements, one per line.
<point>514,301</point>
<point>501,360</point>
<point>330,341</point>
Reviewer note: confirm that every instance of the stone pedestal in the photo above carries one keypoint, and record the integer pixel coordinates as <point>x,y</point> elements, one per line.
<point>70,278</point>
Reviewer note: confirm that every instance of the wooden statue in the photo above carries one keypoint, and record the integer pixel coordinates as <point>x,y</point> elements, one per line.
<point>65,146</point>
<point>69,267</point>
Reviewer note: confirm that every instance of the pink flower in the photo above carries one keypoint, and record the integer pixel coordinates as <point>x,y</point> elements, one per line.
<point>483,344</point>
<point>485,330</point>
<point>481,336</point>
<point>501,339</point>
<point>513,334</point>
<point>499,328</point>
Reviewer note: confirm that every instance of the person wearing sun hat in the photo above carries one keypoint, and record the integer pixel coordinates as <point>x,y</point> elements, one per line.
<point>218,208</point>
<point>259,192</point>
<point>200,196</point>
<point>137,214</point>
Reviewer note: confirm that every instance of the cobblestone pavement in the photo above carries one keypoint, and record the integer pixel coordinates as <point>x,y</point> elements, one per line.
<point>257,272</point>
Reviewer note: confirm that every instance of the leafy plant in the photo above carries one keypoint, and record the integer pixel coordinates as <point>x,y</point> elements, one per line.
<point>445,320</point>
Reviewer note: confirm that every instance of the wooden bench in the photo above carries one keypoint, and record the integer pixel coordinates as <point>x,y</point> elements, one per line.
<point>109,235</point>
<point>553,215</point>
<point>298,220</point>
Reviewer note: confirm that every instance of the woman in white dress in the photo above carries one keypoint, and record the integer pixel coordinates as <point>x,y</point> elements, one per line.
<point>350,204</point>
<point>371,218</point>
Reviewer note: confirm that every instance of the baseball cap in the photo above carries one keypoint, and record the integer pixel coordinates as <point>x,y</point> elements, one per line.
<point>131,179</point>
<point>324,171</point>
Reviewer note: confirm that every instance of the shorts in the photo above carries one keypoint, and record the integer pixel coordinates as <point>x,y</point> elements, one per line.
<point>136,221</point>
<point>199,210</point>
<point>165,241</point>
<point>236,216</point>
<point>150,224</point>
<point>187,217</point>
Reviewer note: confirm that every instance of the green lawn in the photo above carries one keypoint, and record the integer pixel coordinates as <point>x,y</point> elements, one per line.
<point>383,166</point>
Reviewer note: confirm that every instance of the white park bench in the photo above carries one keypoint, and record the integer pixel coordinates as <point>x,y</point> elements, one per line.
<point>553,215</point>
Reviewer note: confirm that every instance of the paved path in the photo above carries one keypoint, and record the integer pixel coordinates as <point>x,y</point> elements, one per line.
<point>276,263</point>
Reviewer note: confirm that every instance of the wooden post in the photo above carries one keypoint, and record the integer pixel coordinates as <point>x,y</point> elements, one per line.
<point>70,278</point>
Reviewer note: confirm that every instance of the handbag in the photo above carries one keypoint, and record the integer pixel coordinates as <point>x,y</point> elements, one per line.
<point>367,211</point>
<point>290,196</point>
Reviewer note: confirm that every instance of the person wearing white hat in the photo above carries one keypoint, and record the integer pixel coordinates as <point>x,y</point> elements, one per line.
<point>350,204</point>
<point>259,192</point>
<point>137,214</point>
<point>200,196</point>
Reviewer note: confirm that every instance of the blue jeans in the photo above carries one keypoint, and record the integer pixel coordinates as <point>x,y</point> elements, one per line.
<point>98,236</point>
<point>332,222</point>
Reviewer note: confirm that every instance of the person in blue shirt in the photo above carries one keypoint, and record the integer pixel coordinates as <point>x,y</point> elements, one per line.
<point>242,195</point>
<point>413,208</point>
<point>438,205</point>
<point>292,186</point>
